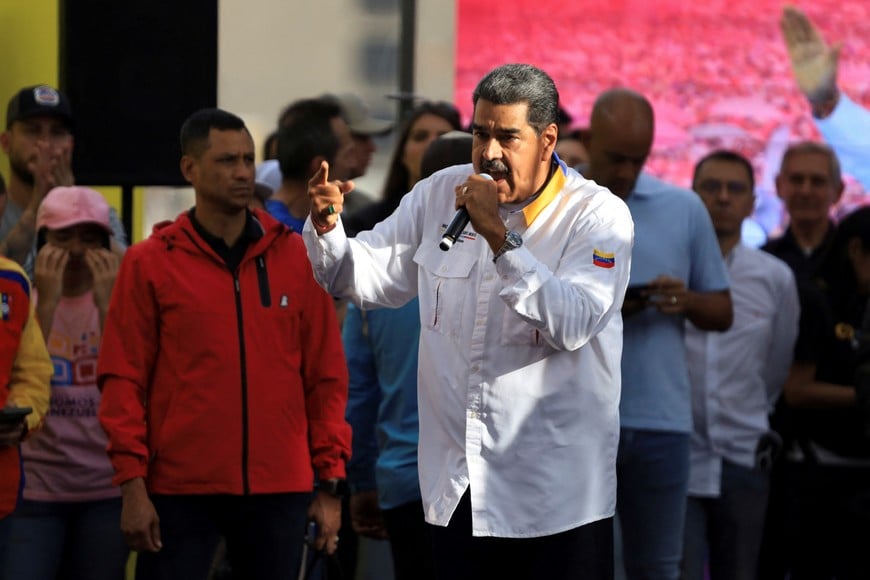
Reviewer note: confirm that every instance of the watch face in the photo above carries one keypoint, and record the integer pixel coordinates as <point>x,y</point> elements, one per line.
<point>513,240</point>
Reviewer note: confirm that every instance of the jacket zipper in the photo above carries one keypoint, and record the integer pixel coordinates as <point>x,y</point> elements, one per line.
<point>246,487</point>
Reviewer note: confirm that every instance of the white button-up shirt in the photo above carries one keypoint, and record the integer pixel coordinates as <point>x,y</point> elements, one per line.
<point>519,368</point>
<point>737,375</point>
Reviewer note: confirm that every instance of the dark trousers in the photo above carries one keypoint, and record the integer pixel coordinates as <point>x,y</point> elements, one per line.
<point>264,536</point>
<point>728,527</point>
<point>829,521</point>
<point>583,553</point>
<point>410,542</point>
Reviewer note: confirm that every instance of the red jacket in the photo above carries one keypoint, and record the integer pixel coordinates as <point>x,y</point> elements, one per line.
<point>25,370</point>
<point>221,383</point>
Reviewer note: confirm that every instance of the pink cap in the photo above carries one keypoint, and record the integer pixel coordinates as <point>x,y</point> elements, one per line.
<point>63,207</point>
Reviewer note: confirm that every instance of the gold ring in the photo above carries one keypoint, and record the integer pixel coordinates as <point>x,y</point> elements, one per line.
<point>331,209</point>
<point>673,299</point>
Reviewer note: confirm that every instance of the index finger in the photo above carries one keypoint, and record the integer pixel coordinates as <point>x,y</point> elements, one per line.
<point>321,177</point>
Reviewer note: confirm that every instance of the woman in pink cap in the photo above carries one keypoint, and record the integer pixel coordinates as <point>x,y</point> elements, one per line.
<point>68,523</point>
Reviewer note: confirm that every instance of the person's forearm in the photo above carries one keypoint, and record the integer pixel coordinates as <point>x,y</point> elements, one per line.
<point>45,318</point>
<point>19,241</point>
<point>818,395</point>
<point>710,310</point>
<point>823,108</point>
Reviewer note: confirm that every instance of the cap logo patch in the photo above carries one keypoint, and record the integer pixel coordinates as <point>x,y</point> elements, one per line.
<point>46,96</point>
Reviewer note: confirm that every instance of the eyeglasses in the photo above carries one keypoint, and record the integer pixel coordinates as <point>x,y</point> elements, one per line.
<point>714,186</point>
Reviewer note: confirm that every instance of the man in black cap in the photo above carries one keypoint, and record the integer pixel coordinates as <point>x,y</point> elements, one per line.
<point>39,143</point>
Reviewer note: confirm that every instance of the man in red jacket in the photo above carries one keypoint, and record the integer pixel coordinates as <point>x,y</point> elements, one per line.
<point>223,377</point>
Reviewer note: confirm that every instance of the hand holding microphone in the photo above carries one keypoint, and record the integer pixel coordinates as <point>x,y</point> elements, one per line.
<point>459,222</point>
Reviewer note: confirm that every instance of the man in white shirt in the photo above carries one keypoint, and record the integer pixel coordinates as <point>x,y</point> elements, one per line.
<point>736,376</point>
<point>521,338</point>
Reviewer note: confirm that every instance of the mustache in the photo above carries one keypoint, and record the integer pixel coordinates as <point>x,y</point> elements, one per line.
<point>494,166</point>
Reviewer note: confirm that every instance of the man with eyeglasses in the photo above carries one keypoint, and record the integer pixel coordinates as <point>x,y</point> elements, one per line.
<point>736,376</point>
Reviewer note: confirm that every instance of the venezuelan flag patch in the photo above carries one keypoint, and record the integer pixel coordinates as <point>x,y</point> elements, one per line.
<point>603,259</point>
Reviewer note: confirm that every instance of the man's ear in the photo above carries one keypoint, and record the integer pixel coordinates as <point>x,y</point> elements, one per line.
<point>188,168</point>
<point>4,142</point>
<point>549,136</point>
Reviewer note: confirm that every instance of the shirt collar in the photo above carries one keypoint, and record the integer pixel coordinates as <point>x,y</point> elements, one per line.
<point>551,189</point>
<point>252,231</point>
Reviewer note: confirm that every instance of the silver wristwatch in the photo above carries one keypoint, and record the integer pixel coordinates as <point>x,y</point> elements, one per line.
<point>512,241</point>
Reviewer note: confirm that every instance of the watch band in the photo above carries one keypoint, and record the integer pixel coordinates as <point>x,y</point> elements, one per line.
<point>335,487</point>
<point>512,241</point>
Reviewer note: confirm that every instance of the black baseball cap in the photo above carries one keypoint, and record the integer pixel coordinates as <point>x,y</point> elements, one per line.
<point>37,101</point>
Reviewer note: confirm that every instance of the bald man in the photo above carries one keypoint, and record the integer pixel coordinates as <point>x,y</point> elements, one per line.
<point>677,274</point>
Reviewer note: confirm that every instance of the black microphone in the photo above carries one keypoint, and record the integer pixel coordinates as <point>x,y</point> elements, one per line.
<point>457,226</point>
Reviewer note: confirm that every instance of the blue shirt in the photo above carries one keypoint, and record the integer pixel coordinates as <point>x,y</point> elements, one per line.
<point>381,348</point>
<point>278,210</point>
<point>846,130</point>
<point>673,235</point>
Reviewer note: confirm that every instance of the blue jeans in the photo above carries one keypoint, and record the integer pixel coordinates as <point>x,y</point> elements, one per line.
<point>729,526</point>
<point>69,540</point>
<point>652,469</point>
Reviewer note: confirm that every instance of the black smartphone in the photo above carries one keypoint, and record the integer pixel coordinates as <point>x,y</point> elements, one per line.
<point>636,292</point>
<point>13,415</point>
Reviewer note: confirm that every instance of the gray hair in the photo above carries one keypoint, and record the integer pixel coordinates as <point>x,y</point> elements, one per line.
<point>511,84</point>
<point>820,148</point>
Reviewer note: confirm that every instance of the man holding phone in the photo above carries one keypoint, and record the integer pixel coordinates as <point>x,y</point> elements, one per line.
<point>676,255</point>
<point>25,371</point>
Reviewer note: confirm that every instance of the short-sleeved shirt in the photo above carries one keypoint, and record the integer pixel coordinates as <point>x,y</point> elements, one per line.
<point>673,236</point>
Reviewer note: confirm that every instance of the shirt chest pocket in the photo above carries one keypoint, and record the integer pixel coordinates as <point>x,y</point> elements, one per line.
<point>445,286</point>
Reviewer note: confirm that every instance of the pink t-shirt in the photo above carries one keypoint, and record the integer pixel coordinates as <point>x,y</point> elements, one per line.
<point>66,460</point>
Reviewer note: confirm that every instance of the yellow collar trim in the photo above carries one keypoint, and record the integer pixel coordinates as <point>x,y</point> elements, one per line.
<point>557,182</point>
